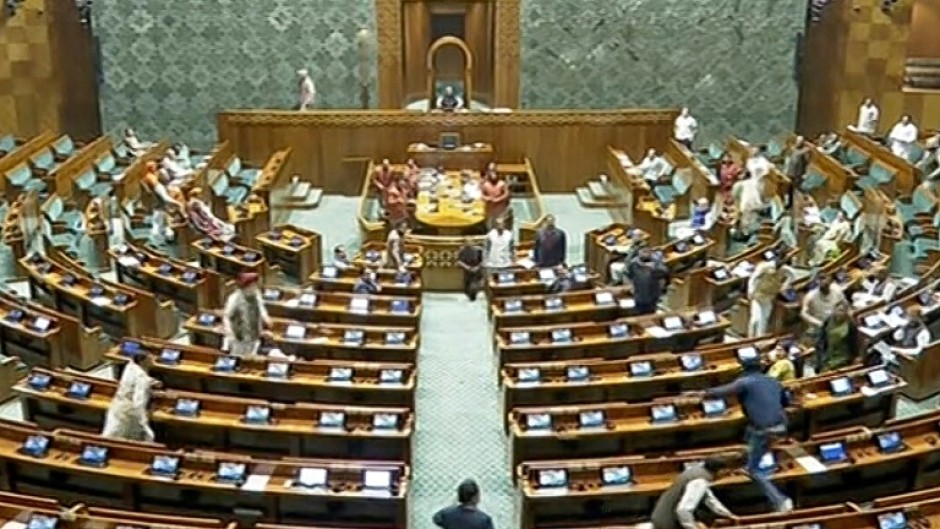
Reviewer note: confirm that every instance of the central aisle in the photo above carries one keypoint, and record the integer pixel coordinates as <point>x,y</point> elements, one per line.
<point>459,428</point>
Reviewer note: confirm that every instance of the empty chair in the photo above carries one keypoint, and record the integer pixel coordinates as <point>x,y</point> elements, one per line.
<point>88,183</point>
<point>7,144</point>
<point>54,212</point>
<point>106,165</point>
<point>233,194</point>
<point>63,147</point>
<point>43,162</point>
<point>240,174</point>
<point>21,178</point>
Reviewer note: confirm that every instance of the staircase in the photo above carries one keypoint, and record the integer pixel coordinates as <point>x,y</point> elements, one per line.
<point>922,73</point>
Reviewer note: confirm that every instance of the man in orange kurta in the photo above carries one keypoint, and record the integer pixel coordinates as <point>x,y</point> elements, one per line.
<point>382,179</point>
<point>396,201</point>
<point>496,197</point>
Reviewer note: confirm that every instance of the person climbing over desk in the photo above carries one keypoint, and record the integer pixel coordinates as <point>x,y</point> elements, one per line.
<point>764,402</point>
<point>127,415</point>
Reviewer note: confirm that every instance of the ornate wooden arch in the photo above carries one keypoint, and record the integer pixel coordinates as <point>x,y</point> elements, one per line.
<point>388,23</point>
<point>436,46</point>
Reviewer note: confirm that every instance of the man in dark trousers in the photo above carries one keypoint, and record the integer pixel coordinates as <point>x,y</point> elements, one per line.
<point>464,515</point>
<point>470,260</point>
<point>650,278</point>
<point>764,402</point>
<point>675,508</point>
<point>551,245</point>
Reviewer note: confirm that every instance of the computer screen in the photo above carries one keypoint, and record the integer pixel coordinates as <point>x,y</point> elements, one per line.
<point>377,479</point>
<point>691,362</point>
<point>554,303</point>
<point>36,445</point>
<point>553,478</point>
<point>561,335</point>
<point>165,465</point>
<point>641,369</point>
<point>663,413</point>
<point>529,374</point>
<point>604,298</point>
<point>890,442</point>
<point>79,390</point>
<point>312,477</point>
<point>186,407</point>
<point>840,386</point>
<point>257,414</point>
<point>332,419</point>
<point>391,376</point>
<point>295,332</point>
<point>832,452</point>
<point>538,421</point>
<point>38,521</point>
<point>513,305</point>
<point>878,377</point>
<point>616,475</point>
<point>591,419</point>
<point>340,374</point>
<point>94,455</point>
<point>672,323</point>
<point>894,520</point>
<point>229,471</point>
<point>714,406</point>
<point>577,373</point>
<point>385,421</point>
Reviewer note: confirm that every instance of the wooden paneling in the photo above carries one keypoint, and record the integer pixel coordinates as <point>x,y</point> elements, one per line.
<point>566,147</point>
<point>925,29</point>
<point>389,15</point>
<point>479,29</point>
<point>416,18</point>
<point>47,79</point>
<point>855,52</point>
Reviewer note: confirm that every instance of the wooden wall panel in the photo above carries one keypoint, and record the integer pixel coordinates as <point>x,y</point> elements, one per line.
<point>416,18</point>
<point>566,147</point>
<point>867,51</point>
<point>479,29</point>
<point>925,29</point>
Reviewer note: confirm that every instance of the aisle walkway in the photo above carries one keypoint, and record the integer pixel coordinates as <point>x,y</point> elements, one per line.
<point>459,430</point>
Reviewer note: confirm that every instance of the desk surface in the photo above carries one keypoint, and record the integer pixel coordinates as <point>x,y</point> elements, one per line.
<point>440,202</point>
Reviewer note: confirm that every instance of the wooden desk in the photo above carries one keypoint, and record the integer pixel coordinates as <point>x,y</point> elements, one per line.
<point>726,282</point>
<point>20,223</point>
<point>865,475</point>
<point>604,245</point>
<point>47,338</point>
<point>332,279</point>
<point>120,310</point>
<point>629,429</point>
<point>296,251</point>
<point>518,281</point>
<point>250,218</point>
<point>595,340</point>
<point>189,288</point>
<point>598,305</point>
<point>229,259</point>
<point>342,307</point>
<point>473,156</point>
<point>126,483</point>
<point>221,421</point>
<point>372,255</point>
<point>319,341</point>
<point>372,383</point>
<point>549,384</point>
<point>441,210</point>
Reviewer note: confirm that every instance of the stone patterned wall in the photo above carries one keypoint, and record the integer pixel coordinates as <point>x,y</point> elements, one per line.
<point>731,61</point>
<point>170,65</point>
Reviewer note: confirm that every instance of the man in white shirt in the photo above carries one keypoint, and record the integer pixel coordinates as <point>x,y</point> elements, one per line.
<point>173,168</point>
<point>685,128</point>
<point>903,137</point>
<point>653,167</point>
<point>308,92</point>
<point>875,289</point>
<point>913,336</point>
<point>757,163</point>
<point>868,115</point>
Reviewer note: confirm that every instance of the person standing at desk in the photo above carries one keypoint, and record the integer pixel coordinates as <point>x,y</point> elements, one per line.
<point>675,508</point>
<point>685,128</point>
<point>383,178</point>
<point>764,402</point>
<point>466,514</point>
<point>244,317</point>
<point>649,278</point>
<point>470,260</point>
<point>551,245</point>
<point>837,341</point>
<point>127,415</point>
<point>819,303</point>
<point>868,115</point>
<point>765,283</point>
<point>495,197</point>
<point>500,248</point>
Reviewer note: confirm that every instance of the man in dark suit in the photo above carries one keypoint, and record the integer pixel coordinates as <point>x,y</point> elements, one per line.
<point>650,278</point>
<point>470,260</point>
<point>464,515</point>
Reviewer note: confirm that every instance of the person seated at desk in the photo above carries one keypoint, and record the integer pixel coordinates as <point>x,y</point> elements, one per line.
<point>470,260</point>
<point>383,178</point>
<point>341,258</point>
<point>868,115</point>
<point>820,302</point>
<point>496,196</point>
<point>653,167</point>
<point>413,176</point>
<point>367,283</point>
<point>395,246</point>
<point>837,342</point>
<point>172,166</point>
<point>914,335</point>
<point>729,172</point>
<point>202,219</point>
<point>136,147</point>
<point>650,278</point>
<point>396,201</point>
<point>827,245</point>
<point>829,143</point>
<point>167,197</point>
<point>449,101</point>
<point>903,137</point>
<point>876,288</point>
<point>676,507</point>
<point>244,317</point>
<point>551,244</point>
<point>565,281</point>
<point>766,282</point>
<point>127,416</point>
<point>500,247</point>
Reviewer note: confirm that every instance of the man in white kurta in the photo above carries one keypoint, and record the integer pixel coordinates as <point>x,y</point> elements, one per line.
<point>868,115</point>
<point>828,243</point>
<point>653,166</point>
<point>308,92</point>
<point>127,416</point>
<point>757,164</point>
<point>765,283</point>
<point>244,317</point>
<point>685,128</point>
<point>499,246</point>
<point>903,137</point>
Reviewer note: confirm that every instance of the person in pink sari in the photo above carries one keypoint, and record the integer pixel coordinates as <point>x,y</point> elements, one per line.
<point>202,220</point>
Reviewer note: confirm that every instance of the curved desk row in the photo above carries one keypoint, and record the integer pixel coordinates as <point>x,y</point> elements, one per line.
<point>330,278</point>
<point>193,368</point>
<point>319,341</point>
<point>609,429</point>
<point>342,307</point>
<point>141,477</point>
<point>594,304</point>
<point>295,250</point>
<point>853,465</point>
<point>641,378</point>
<point>518,281</point>
<point>56,399</point>
<point>680,331</point>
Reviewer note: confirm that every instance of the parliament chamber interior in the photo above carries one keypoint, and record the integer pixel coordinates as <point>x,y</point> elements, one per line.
<point>390,264</point>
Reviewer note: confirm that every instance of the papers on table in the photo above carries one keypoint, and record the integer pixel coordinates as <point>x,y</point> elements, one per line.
<point>811,464</point>
<point>258,481</point>
<point>743,269</point>
<point>128,261</point>
<point>526,263</point>
<point>626,303</point>
<point>100,301</point>
<point>658,332</point>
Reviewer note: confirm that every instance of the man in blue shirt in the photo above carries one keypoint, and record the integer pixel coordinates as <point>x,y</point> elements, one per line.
<point>764,402</point>
<point>464,515</point>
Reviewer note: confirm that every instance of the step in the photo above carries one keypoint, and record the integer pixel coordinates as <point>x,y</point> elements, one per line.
<point>599,190</point>
<point>299,191</point>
